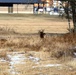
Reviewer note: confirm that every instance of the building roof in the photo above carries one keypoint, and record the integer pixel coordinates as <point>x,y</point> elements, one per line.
<point>20,1</point>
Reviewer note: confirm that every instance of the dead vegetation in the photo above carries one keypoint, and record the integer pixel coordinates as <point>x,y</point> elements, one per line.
<point>50,49</point>
<point>3,54</point>
<point>58,46</point>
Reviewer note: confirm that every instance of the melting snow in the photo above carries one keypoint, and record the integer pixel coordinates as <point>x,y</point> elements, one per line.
<point>18,58</point>
<point>52,65</point>
<point>75,53</point>
<point>48,65</point>
<point>3,60</point>
<point>34,59</point>
<point>15,58</point>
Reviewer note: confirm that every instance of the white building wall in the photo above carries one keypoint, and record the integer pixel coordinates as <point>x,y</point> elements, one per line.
<point>23,8</point>
<point>18,8</point>
<point>3,9</point>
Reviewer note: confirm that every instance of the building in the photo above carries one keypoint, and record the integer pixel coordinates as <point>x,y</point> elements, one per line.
<point>27,6</point>
<point>17,6</point>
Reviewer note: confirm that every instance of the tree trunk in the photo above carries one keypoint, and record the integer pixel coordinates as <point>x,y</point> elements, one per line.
<point>73,4</point>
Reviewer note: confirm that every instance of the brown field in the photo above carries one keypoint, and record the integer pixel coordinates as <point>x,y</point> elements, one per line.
<point>22,23</point>
<point>31,55</point>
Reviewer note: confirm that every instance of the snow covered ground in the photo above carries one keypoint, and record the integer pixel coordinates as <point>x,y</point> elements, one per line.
<point>19,58</point>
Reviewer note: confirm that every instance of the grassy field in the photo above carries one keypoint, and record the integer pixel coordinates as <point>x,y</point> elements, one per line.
<point>31,55</point>
<point>22,23</point>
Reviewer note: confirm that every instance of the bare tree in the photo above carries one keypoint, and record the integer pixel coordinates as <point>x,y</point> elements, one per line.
<point>73,6</point>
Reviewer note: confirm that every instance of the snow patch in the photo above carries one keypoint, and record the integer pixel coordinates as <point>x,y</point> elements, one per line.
<point>15,58</point>
<point>18,58</point>
<point>52,65</point>
<point>3,60</point>
<point>75,53</point>
<point>34,59</point>
<point>48,65</point>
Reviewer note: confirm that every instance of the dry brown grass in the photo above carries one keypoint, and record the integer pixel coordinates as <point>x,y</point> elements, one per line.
<point>58,46</point>
<point>28,70</point>
<point>3,53</point>
<point>22,23</point>
<point>49,49</point>
<point>4,68</point>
